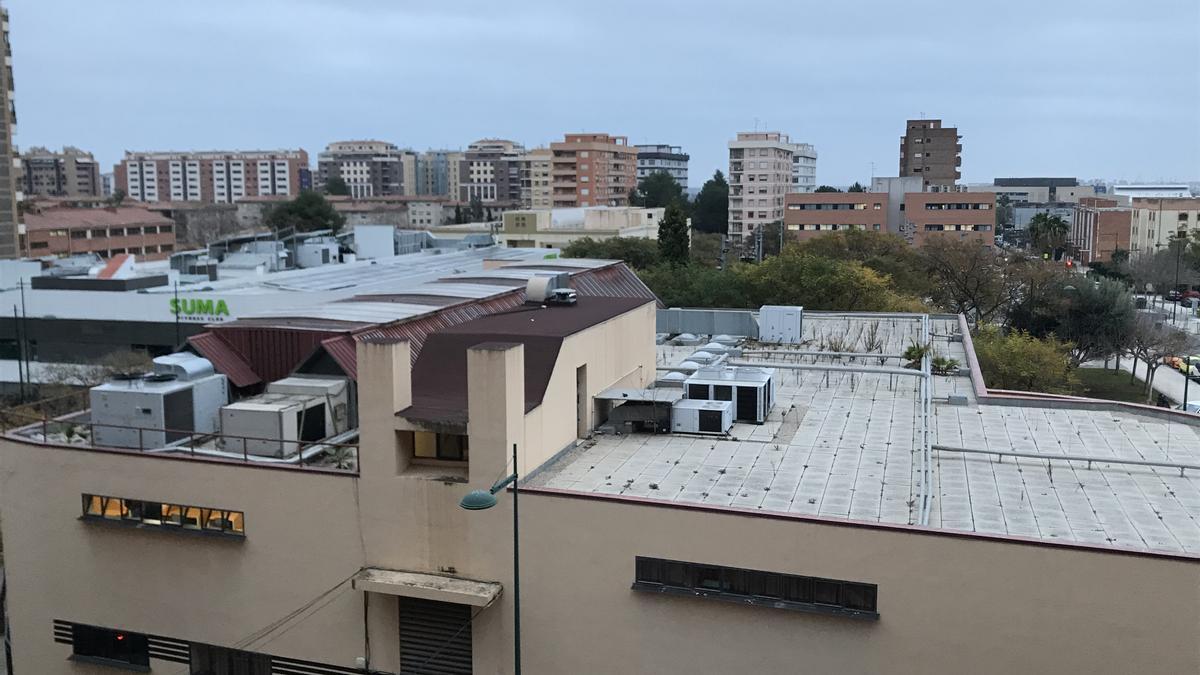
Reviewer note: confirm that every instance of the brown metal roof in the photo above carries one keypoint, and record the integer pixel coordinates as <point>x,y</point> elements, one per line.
<point>407,298</point>
<point>224,359</point>
<point>439,377</point>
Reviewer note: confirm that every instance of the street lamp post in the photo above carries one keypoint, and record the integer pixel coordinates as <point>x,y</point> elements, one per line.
<point>478,500</point>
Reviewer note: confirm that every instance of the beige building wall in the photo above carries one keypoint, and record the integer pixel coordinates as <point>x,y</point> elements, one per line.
<point>1156,222</point>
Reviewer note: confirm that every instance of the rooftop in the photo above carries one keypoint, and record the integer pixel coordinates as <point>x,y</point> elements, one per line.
<point>58,217</point>
<point>849,446</point>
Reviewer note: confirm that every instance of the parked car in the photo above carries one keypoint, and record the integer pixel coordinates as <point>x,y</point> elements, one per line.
<point>1186,297</point>
<point>1192,407</point>
<point>1173,295</point>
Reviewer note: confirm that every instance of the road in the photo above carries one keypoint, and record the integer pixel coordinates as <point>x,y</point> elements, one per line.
<point>1167,381</point>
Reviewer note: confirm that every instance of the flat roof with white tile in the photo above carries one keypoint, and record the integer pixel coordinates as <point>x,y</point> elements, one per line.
<point>848,445</point>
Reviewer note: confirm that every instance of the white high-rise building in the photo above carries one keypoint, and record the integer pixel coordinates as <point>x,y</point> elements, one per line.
<point>761,172</point>
<point>659,157</point>
<point>804,168</point>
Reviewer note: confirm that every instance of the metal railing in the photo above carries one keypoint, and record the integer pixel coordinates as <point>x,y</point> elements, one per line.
<point>78,430</point>
<point>1181,466</point>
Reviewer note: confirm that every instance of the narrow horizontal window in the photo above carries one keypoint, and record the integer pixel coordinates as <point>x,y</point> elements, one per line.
<point>110,647</point>
<point>159,515</point>
<point>756,587</point>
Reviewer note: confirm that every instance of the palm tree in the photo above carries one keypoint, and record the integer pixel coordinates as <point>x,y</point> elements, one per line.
<point>1048,231</point>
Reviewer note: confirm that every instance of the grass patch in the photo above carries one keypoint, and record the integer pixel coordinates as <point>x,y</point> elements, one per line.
<point>1111,385</point>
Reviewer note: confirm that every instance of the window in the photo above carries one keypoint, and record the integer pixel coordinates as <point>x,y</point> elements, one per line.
<point>139,513</point>
<point>770,589</point>
<point>210,660</point>
<point>79,234</point>
<point>110,647</point>
<point>430,445</point>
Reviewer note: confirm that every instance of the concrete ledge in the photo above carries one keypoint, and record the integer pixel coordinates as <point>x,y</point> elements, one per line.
<point>427,586</point>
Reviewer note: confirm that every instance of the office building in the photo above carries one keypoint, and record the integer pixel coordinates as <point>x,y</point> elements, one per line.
<point>967,216</point>
<point>70,173</point>
<point>217,177</point>
<point>895,187</point>
<point>490,172</point>
<point>760,175</point>
<point>932,152</point>
<point>1021,191</point>
<point>63,231</point>
<point>556,228</point>
<point>1155,222</point>
<point>369,168</point>
<point>752,512</point>
<point>670,159</point>
<point>592,170</point>
<point>813,214</point>
<point>10,191</point>
<point>804,168</point>
<point>1099,226</point>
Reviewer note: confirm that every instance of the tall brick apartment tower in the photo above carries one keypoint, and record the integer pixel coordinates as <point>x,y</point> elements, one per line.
<point>931,151</point>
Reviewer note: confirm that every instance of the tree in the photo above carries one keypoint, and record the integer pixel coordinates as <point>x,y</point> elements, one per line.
<point>1152,341</point>
<point>673,235</point>
<point>968,279</point>
<point>660,190</point>
<point>706,249</point>
<point>1004,212</point>
<point>857,187</point>
<point>883,252</point>
<point>1048,232</point>
<point>827,188</point>
<point>116,198</point>
<point>1098,321</point>
<point>458,215</point>
<point>1037,296</point>
<point>307,212</point>
<point>336,185</point>
<point>710,212</point>
<point>476,209</point>
<point>1119,257</point>
<point>637,252</point>
<point>1017,360</point>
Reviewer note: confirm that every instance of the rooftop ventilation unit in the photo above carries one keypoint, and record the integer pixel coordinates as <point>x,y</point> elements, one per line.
<point>702,417</point>
<point>161,408</point>
<point>780,324</point>
<point>293,412</point>
<point>542,287</point>
<point>687,339</point>
<point>751,390</point>
<point>672,380</point>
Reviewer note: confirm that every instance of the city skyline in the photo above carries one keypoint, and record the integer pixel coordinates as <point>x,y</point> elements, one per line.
<point>321,72</point>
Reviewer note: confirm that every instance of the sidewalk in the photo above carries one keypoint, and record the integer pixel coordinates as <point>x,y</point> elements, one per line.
<point>1167,381</point>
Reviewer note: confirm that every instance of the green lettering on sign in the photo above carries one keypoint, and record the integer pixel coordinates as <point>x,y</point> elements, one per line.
<point>199,307</point>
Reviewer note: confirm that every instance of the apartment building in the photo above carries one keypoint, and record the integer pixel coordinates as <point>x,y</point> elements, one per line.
<point>69,173</point>
<point>813,214</point>
<point>592,170</point>
<point>959,215</point>
<point>1155,222</point>
<point>804,168</point>
<point>670,159</point>
<point>216,177</point>
<point>1099,226</point>
<point>761,169</point>
<point>688,542</point>
<point>437,173</point>
<point>64,231</point>
<point>490,172</point>
<point>537,191</point>
<point>556,228</point>
<point>10,191</point>
<point>370,168</point>
<point>931,151</point>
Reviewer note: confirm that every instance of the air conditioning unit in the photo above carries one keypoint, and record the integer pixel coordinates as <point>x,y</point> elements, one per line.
<point>702,417</point>
<point>155,410</point>
<point>780,324</point>
<point>542,287</point>
<point>750,390</point>
<point>272,425</point>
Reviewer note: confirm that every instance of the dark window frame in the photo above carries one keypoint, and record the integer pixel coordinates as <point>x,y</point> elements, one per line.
<point>166,516</point>
<point>819,595</point>
<point>87,645</point>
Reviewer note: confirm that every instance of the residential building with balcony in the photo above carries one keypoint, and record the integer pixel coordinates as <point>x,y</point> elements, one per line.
<point>734,512</point>
<point>216,177</point>
<point>537,190</point>
<point>434,173</point>
<point>967,216</point>
<point>1099,226</point>
<point>810,215</point>
<point>592,170</point>
<point>932,152</point>
<point>670,159</point>
<point>10,190</point>
<point>761,170</point>
<point>490,172</point>
<point>1155,222</point>
<point>370,168</point>
<point>70,173</point>
<point>804,168</point>
<point>64,231</point>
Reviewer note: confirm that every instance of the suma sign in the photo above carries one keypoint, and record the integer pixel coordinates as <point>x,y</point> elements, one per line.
<point>199,309</point>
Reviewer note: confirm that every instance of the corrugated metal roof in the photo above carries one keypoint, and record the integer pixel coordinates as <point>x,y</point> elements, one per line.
<point>344,350</point>
<point>615,280</point>
<point>416,331</point>
<point>225,359</point>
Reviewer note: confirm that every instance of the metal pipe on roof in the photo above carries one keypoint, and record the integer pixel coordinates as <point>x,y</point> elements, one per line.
<point>882,370</point>
<point>1069,458</point>
<point>798,352</point>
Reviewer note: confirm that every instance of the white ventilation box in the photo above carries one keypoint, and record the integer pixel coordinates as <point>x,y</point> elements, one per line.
<point>751,391</point>
<point>183,396</point>
<point>780,324</point>
<point>702,417</point>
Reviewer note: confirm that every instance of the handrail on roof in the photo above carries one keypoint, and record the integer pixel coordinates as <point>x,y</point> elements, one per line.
<point>1070,458</point>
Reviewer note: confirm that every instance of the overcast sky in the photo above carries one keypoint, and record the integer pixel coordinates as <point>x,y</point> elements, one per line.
<point>1094,89</point>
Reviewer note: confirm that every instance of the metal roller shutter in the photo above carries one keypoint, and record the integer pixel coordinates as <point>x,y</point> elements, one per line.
<point>435,638</point>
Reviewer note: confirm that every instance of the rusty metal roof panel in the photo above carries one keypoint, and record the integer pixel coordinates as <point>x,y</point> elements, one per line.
<point>225,359</point>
